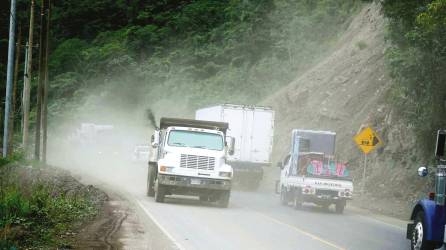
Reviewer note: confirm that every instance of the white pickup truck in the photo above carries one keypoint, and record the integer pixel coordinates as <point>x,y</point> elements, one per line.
<point>189,158</point>
<point>309,172</point>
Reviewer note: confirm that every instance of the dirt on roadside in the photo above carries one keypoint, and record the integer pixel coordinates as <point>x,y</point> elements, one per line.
<point>103,231</point>
<point>99,230</point>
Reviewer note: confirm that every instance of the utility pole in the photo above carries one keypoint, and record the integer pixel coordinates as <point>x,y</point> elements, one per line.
<point>14,90</point>
<point>41,79</point>
<point>25,70</point>
<point>27,81</point>
<point>45,86</point>
<point>9,76</point>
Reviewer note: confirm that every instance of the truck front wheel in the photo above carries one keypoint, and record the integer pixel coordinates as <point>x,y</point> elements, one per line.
<point>283,196</point>
<point>160,192</point>
<point>224,199</point>
<point>297,203</point>
<point>151,181</point>
<point>418,240</point>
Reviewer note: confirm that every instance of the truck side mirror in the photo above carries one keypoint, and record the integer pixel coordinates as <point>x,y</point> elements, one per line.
<point>231,144</point>
<point>422,171</point>
<point>440,146</point>
<point>155,140</point>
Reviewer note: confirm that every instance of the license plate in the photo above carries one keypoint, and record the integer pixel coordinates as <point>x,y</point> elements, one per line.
<point>195,181</point>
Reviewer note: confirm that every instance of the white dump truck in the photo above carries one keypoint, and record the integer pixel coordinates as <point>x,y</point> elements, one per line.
<point>189,158</point>
<point>309,173</point>
<point>252,127</point>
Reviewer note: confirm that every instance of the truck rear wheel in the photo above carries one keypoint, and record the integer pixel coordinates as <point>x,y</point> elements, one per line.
<point>340,205</point>
<point>151,181</point>
<point>204,198</point>
<point>252,185</point>
<point>224,199</point>
<point>418,240</point>
<point>160,192</point>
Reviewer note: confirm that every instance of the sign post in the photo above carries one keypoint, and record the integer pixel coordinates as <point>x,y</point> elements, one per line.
<point>367,140</point>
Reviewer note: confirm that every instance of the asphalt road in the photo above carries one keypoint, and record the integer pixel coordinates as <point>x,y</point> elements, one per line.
<point>253,220</point>
<point>257,221</point>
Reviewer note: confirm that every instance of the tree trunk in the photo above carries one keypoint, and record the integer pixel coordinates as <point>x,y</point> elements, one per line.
<point>27,82</point>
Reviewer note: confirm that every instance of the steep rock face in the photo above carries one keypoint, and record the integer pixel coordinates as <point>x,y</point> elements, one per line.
<point>343,93</point>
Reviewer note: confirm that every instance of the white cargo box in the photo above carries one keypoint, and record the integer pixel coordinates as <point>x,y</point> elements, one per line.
<point>251,126</point>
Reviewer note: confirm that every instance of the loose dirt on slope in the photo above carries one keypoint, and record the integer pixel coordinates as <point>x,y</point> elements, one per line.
<point>342,93</point>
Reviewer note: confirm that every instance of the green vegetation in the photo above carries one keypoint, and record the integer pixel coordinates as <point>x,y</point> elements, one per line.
<point>37,214</point>
<point>129,55</point>
<point>417,62</point>
<point>195,53</point>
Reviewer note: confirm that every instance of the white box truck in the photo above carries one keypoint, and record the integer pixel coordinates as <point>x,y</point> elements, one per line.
<point>252,127</point>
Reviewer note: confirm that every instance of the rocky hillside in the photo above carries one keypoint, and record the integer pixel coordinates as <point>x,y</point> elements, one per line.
<point>347,91</point>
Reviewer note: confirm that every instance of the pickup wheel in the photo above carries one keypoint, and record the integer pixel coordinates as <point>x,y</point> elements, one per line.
<point>283,196</point>
<point>224,199</point>
<point>418,240</point>
<point>297,201</point>
<point>151,181</point>
<point>160,192</point>
<point>340,205</point>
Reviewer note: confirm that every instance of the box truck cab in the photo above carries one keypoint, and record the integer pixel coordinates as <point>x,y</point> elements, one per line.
<point>427,231</point>
<point>189,158</point>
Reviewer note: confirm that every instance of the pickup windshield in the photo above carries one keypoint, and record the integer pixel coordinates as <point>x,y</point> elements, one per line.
<point>194,139</point>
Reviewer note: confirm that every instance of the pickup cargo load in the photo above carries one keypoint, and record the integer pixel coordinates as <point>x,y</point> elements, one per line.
<point>252,128</point>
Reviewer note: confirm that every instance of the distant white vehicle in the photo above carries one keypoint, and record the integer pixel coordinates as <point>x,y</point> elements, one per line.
<point>252,127</point>
<point>141,153</point>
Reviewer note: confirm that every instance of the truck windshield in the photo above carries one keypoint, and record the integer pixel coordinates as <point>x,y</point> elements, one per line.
<point>193,139</point>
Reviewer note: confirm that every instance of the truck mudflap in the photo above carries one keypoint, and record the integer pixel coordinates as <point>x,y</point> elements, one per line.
<point>409,230</point>
<point>194,182</point>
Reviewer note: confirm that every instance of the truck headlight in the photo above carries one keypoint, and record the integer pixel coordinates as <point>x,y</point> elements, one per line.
<point>166,169</point>
<point>225,174</point>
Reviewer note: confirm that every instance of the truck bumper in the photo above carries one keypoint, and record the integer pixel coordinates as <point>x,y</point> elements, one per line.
<point>321,199</point>
<point>194,183</point>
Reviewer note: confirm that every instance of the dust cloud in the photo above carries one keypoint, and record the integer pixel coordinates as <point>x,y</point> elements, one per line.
<point>98,140</point>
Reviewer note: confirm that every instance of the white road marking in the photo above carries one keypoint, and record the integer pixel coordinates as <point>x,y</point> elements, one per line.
<point>299,230</point>
<point>175,242</point>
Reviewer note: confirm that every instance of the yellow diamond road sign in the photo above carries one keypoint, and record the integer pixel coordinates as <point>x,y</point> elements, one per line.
<point>367,140</point>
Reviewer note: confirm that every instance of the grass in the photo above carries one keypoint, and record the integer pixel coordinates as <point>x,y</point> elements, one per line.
<point>37,214</point>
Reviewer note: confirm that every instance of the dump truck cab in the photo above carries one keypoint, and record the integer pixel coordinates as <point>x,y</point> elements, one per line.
<point>189,158</point>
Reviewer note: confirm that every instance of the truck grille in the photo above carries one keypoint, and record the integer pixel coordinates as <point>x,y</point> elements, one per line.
<point>331,193</point>
<point>197,162</point>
